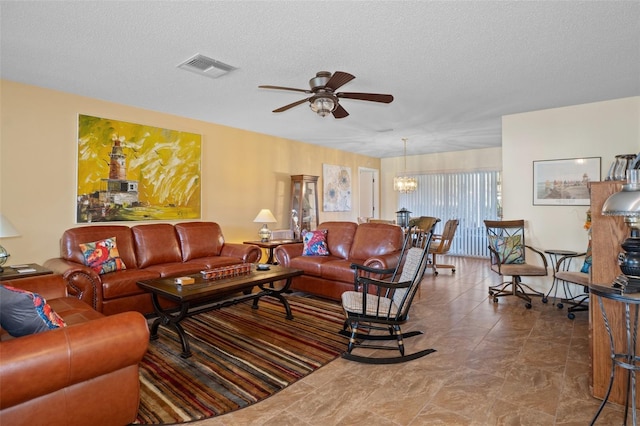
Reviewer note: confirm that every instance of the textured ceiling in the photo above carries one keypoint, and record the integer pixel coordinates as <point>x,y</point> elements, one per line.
<point>453,67</point>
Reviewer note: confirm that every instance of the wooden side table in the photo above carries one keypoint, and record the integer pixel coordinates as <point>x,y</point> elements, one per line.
<point>14,272</point>
<point>270,246</point>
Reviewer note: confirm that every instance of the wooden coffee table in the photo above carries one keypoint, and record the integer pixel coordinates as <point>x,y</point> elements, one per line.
<point>206,295</point>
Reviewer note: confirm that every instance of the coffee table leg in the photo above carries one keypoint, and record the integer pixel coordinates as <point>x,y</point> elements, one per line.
<point>166,319</point>
<point>278,294</point>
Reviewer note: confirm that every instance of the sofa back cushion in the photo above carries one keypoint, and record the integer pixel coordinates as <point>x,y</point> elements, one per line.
<point>376,239</point>
<point>199,239</point>
<point>72,238</point>
<point>156,244</point>
<point>339,237</point>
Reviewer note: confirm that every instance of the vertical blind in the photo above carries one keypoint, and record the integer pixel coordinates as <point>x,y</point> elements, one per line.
<point>470,197</point>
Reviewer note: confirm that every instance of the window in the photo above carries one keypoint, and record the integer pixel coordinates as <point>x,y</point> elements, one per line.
<point>470,197</point>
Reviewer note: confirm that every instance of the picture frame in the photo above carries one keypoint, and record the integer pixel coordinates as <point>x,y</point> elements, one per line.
<point>564,182</point>
<point>136,172</point>
<point>337,188</point>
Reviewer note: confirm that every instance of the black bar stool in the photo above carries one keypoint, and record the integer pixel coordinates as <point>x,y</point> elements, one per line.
<point>624,355</point>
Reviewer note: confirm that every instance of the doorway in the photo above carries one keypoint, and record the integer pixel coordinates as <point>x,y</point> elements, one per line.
<point>369,203</point>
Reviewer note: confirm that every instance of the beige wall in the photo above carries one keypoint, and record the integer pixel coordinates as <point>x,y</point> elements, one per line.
<point>601,129</point>
<point>242,171</point>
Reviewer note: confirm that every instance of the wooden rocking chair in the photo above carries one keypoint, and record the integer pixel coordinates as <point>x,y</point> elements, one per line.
<point>381,305</point>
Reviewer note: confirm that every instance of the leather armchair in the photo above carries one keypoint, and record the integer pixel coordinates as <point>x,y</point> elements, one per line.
<point>85,373</point>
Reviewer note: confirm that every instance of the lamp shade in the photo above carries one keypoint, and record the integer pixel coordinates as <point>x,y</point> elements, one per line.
<point>265,216</point>
<point>624,203</point>
<point>6,228</point>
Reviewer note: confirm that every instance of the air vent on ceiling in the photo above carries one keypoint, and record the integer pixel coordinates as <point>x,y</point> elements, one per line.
<point>203,65</point>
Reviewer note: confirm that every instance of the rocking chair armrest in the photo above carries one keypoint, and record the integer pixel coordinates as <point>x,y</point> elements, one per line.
<point>365,282</point>
<point>370,269</point>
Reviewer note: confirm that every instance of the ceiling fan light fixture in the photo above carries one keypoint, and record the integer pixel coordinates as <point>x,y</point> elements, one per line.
<point>322,105</point>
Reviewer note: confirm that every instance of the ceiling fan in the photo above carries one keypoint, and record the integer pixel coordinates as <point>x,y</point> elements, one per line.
<point>324,98</point>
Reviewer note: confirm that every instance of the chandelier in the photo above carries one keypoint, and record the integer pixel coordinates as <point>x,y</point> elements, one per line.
<point>405,184</point>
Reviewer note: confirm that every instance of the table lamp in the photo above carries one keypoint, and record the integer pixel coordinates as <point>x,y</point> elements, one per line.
<point>265,216</point>
<point>626,203</point>
<point>7,230</point>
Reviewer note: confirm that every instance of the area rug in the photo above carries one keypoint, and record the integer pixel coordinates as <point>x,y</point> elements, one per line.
<point>240,356</point>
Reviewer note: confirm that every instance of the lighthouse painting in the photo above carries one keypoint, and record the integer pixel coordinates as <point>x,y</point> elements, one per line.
<point>134,172</point>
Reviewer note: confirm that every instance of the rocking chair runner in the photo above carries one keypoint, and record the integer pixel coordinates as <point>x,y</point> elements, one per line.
<point>384,305</point>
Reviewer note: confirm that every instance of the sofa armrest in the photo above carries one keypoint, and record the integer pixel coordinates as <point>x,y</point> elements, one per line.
<point>47,286</point>
<point>70,355</point>
<point>247,252</point>
<point>385,261</point>
<point>82,282</point>
<point>286,252</point>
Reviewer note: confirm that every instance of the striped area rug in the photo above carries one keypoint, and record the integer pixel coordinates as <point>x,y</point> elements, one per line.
<point>240,356</point>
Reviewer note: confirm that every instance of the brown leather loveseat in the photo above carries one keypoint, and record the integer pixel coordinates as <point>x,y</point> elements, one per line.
<point>83,374</point>
<point>377,245</point>
<point>148,251</point>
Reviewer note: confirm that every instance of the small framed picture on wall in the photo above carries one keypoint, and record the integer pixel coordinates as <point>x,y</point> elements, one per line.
<point>564,182</point>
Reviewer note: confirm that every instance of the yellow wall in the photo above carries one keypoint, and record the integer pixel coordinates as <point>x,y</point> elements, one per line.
<point>242,172</point>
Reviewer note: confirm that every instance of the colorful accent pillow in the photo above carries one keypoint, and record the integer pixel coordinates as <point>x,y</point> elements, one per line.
<point>102,256</point>
<point>586,266</point>
<point>315,243</point>
<point>509,249</point>
<point>23,313</point>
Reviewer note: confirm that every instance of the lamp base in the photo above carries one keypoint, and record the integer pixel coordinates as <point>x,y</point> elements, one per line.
<point>264,233</point>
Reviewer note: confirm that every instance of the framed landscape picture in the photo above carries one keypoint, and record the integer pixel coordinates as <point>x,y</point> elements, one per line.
<point>564,182</point>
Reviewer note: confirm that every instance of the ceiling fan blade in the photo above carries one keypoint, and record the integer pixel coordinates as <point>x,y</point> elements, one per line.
<point>373,97</point>
<point>285,88</point>
<point>339,112</point>
<point>286,107</point>
<point>338,79</point>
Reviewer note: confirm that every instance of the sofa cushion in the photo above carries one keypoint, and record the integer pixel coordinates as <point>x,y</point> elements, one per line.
<point>156,244</point>
<point>338,270</point>
<point>311,265</point>
<point>102,256</point>
<point>199,239</point>
<point>125,283</point>
<point>315,243</point>
<point>339,237</point>
<point>72,238</point>
<point>376,239</point>
<point>23,312</point>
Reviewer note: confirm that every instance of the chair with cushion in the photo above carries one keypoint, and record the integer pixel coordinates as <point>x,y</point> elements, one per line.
<point>441,243</point>
<point>383,305</point>
<point>582,278</point>
<point>507,249</point>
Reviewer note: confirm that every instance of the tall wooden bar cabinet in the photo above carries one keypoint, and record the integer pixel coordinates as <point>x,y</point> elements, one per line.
<point>607,233</point>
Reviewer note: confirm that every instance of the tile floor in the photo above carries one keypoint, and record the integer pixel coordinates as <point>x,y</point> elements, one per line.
<point>496,364</point>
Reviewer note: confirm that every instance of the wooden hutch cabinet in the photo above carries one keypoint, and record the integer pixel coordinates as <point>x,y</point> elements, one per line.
<point>607,233</point>
<point>304,200</point>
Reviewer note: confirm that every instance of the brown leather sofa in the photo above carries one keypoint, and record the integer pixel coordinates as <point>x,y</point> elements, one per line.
<point>148,251</point>
<point>377,245</point>
<point>83,374</point>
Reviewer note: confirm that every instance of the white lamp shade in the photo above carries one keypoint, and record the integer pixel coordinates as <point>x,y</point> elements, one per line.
<point>265,216</point>
<point>6,228</point>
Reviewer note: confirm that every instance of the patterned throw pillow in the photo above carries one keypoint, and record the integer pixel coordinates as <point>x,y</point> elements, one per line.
<point>586,266</point>
<point>509,249</point>
<point>315,243</point>
<point>23,313</point>
<point>102,256</point>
